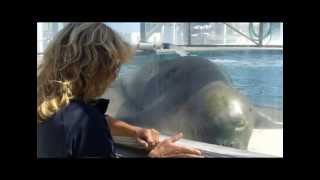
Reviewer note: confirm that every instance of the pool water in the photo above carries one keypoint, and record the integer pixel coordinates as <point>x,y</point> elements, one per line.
<point>256,74</point>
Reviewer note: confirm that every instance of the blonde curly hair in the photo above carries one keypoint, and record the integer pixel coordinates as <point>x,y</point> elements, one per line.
<point>80,62</point>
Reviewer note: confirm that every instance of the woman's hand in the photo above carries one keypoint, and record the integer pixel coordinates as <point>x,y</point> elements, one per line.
<point>149,138</point>
<point>167,148</point>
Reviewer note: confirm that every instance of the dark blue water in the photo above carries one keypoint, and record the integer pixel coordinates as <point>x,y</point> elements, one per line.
<point>258,75</point>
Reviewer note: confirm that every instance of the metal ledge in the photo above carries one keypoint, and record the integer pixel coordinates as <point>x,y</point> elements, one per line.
<point>129,148</point>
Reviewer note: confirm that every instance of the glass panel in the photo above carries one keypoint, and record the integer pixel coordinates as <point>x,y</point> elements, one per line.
<point>207,33</point>
<point>162,92</point>
<point>158,32</point>
<point>45,32</point>
<point>181,34</point>
<point>129,31</point>
<point>158,90</point>
<point>173,33</point>
<point>219,34</point>
<point>235,38</point>
<point>214,33</point>
<point>274,33</point>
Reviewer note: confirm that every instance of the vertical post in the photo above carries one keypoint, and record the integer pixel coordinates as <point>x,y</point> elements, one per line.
<point>142,32</point>
<point>189,33</point>
<point>39,37</point>
<point>162,33</point>
<point>260,34</point>
<point>60,26</point>
<point>224,33</point>
<point>281,32</point>
<point>55,28</point>
<point>174,33</point>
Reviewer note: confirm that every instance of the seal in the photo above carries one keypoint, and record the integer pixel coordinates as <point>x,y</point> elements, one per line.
<point>187,94</point>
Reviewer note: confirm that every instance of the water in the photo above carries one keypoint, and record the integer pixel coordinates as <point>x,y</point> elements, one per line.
<point>258,75</point>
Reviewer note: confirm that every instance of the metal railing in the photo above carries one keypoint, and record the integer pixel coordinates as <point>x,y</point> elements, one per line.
<point>150,28</point>
<point>129,147</point>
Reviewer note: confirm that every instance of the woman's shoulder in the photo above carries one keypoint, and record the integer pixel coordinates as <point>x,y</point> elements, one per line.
<point>79,108</point>
<point>97,106</point>
<point>80,113</point>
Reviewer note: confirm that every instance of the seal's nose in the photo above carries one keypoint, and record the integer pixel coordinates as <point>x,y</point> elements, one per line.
<point>236,114</point>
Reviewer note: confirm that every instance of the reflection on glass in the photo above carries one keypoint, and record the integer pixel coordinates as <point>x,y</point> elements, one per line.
<point>235,108</point>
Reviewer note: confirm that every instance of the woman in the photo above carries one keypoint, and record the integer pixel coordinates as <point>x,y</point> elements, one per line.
<point>78,66</point>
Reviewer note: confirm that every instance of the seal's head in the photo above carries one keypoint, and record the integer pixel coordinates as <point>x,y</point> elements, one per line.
<point>222,116</point>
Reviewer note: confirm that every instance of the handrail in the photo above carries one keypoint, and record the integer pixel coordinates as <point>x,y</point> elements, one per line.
<point>209,150</point>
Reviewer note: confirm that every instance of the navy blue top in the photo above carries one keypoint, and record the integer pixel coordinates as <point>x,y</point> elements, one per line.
<point>77,130</point>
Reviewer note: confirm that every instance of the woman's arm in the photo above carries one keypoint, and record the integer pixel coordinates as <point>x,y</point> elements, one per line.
<point>147,137</point>
<point>120,128</point>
